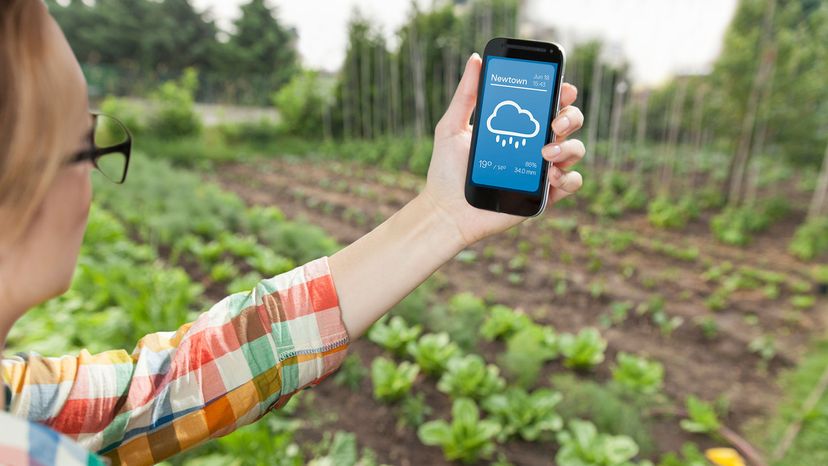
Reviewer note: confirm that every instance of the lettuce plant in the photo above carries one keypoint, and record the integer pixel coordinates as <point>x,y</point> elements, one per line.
<point>582,351</point>
<point>392,382</point>
<point>637,374</point>
<point>528,415</point>
<point>467,438</point>
<point>269,263</point>
<point>432,352</point>
<point>582,445</point>
<point>502,322</point>
<point>471,377</point>
<point>394,334</point>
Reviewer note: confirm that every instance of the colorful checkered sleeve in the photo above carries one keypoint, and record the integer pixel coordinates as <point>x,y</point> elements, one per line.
<point>26,443</point>
<point>246,355</point>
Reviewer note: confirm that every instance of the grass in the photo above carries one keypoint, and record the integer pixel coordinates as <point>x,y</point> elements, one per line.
<point>808,449</point>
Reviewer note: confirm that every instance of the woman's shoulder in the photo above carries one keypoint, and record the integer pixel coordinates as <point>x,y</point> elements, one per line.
<point>24,443</point>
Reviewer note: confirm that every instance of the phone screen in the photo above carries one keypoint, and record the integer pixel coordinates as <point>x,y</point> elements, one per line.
<point>514,123</point>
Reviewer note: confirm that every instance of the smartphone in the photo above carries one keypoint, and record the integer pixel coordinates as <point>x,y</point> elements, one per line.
<point>520,87</point>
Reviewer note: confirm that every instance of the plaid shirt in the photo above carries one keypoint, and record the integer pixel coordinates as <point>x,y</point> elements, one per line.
<point>248,354</point>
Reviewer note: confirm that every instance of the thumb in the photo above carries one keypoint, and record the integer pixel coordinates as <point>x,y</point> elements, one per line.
<point>465,97</point>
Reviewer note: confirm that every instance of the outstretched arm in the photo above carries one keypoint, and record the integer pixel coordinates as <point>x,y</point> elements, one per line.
<point>248,354</point>
<point>382,267</point>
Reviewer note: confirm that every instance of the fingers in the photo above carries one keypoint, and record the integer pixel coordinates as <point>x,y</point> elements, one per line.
<point>556,195</point>
<point>568,94</point>
<point>462,104</point>
<point>569,120</point>
<point>564,154</point>
<point>563,183</point>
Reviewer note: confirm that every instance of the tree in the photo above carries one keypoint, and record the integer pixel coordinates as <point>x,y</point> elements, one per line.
<point>126,46</point>
<point>260,56</point>
<point>795,42</point>
<point>300,104</point>
<point>819,201</point>
<point>759,93</point>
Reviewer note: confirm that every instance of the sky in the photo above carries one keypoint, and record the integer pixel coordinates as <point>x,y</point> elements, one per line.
<point>659,38</point>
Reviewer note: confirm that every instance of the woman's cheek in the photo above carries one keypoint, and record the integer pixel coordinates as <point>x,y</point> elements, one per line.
<point>86,197</point>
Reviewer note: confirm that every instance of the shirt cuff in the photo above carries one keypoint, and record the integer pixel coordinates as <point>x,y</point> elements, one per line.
<point>318,337</point>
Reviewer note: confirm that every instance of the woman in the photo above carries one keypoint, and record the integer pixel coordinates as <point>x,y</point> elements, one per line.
<point>250,352</point>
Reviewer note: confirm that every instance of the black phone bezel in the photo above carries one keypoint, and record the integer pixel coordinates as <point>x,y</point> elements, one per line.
<point>503,200</point>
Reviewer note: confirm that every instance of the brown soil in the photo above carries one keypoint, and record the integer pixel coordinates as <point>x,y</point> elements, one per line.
<point>348,200</point>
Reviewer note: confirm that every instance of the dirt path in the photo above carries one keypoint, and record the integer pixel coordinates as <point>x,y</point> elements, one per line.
<point>347,201</point>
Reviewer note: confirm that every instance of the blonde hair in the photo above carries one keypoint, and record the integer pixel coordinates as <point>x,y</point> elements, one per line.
<point>32,107</point>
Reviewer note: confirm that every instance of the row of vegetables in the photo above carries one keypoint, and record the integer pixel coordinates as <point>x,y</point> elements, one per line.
<point>512,411</point>
<point>155,244</point>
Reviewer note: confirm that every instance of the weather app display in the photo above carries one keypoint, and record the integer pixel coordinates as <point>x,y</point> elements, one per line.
<point>514,122</point>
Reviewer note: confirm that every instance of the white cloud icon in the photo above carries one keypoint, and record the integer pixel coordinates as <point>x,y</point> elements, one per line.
<point>520,111</point>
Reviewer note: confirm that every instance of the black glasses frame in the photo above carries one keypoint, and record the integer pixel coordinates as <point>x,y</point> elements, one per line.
<point>94,152</point>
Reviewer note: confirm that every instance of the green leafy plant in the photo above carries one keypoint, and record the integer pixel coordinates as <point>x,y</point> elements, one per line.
<point>701,417</point>
<point>299,102</point>
<point>394,334</point>
<point>810,239</point>
<point>466,256</point>
<point>461,319</point>
<point>392,382</point>
<point>686,254</point>
<point>690,455</point>
<point>223,271</point>
<point>584,350</point>
<point>432,352</point>
<point>764,346</point>
<point>528,415</point>
<point>638,374</point>
<point>526,352</point>
<point>351,372</point>
<point>611,409</point>
<point>664,212</point>
<point>718,300</point>
<point>176,115</point>
<point>582,445</point>
<point>268,263</point>
<point>666,323</point>
<point>244,282</point>
<point>470,376</point>
<point>270,441</point>
<point>619,311</point>
<point>563,224</point>
<point>414,410</point>
<point>709,327</point>
<point>737,226</point>
<point>819,273</point>
<point>597,288</point>
<point>467,438</point>
<point>340,450</point>
<point>803,301</point>
<point>503,322</point>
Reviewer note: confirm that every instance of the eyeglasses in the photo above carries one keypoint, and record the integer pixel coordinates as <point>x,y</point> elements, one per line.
<point>109,148</point>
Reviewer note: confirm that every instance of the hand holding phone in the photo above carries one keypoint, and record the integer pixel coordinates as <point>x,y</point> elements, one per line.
<point>518,96</point>
<point>449,167</point>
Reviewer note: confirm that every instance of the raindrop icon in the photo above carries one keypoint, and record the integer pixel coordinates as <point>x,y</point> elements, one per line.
<point>503,142</point>
<point>497,138</point>
<point>517,144</point>
<point>510,140</point>
<point>523,143</point>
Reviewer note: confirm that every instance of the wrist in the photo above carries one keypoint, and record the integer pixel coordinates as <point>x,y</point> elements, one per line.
<point>439,224</point>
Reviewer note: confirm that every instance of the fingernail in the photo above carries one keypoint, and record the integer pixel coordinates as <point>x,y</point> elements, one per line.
<point>552,152</point>
<point>560,125</point>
